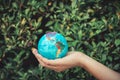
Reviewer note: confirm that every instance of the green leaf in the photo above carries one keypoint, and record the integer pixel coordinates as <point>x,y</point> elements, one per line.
<point>104,57</point>
<point>73,43</point>
<point>74,3</point>
<point>117,66</point>
<point>60,75</point>
<point>117,42</point>
<point>17,58</point>
<point>39,31</point>
<point>110,58</point>
<point>69,39</point>
<point>61,5</point>
<point>49,23</point>
<point>98,31</point>
<point>27,11</point>
<point>80,34</point>
<point>15,5</point>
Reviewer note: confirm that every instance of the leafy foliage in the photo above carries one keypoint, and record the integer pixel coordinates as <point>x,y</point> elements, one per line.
<point>89,26</point>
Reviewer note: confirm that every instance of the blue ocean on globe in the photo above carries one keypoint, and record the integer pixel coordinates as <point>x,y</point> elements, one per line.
<point>52,45</point>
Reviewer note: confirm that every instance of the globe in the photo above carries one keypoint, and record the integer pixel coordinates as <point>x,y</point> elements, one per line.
<point>52,45</point>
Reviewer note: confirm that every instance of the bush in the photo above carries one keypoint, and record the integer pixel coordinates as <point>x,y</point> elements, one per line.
<point>89,26</point>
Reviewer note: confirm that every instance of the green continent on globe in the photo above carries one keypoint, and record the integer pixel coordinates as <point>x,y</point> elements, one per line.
<point>60,47</point>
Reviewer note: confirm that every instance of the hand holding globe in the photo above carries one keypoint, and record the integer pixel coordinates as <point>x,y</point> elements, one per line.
<point>53,45</point>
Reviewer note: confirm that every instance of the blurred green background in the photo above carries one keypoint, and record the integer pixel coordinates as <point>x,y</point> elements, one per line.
<point>90,26</point>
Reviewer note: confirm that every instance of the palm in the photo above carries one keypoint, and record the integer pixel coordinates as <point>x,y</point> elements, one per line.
<point>60,64</point>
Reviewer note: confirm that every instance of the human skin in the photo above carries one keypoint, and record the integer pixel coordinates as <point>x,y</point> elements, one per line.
<point>74,59</point>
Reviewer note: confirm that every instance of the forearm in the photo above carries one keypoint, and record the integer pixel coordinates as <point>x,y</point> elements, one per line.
<point>98,70</point>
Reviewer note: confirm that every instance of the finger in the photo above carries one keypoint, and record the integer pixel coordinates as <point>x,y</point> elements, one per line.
<point>56,62</point>
<point>38,57</point>
<point>35,52</point>
<point>57,68</point>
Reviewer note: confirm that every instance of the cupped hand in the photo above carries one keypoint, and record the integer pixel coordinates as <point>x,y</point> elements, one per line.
<point>72,59</point>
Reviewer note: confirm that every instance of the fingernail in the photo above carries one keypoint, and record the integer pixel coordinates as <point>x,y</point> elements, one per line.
<point>33,50</point>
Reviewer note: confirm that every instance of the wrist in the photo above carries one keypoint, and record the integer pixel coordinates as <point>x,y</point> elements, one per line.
<point>82,59</point>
